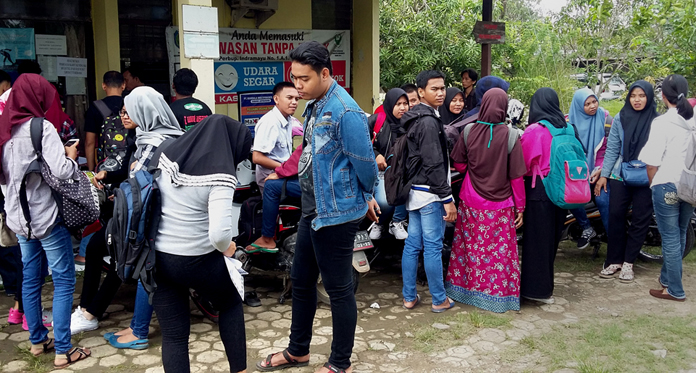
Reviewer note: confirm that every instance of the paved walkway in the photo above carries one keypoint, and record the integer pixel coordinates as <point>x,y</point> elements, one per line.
<point>389,338</point>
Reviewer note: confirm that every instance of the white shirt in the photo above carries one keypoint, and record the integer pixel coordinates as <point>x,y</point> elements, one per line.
<point>666,146</point>
<point>273,135</point>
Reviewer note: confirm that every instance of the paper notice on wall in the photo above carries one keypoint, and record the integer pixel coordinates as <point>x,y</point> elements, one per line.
<point>48,67</point>
<point>75,67</point>
<point>75,86</point>
<point>55,45</point>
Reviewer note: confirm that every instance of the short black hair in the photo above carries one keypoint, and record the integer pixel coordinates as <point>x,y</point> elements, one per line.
<point>280,86</point>
<point>425,76</point>
<point>473,75</point>
<point>185,82</point>
<point>28,67</point>
<point>136,71</point>
<point>113,79</point>
<point>409,87</point>
<point>314,54</point>
<point>5,77</point>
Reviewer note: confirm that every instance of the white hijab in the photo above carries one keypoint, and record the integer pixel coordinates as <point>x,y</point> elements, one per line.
<point>156,122</point>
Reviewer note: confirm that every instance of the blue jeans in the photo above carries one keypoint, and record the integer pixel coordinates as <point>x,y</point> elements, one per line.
<point>673,217</point>
<point>57,247</point>
<point>142,314</point>
<point>426,230</point>
<point>602,202</point>
<point>271,202</point>
<point>399,212</point>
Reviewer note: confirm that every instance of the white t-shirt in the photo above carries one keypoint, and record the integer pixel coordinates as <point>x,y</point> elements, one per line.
<point>666,146</point>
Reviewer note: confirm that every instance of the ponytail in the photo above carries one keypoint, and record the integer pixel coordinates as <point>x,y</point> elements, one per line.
<point>674,89</point>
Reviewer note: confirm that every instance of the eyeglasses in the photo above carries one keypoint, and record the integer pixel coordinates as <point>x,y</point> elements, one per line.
<point>124,113</point>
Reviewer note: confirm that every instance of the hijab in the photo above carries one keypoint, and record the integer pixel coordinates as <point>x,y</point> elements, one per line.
<point>155,119</point>
<point>636,124</point>
<point>208,154</point>
<point>546,106</point>
<point>482,86</point>
<point>489,167</point>
<point>590,127</point>
<point>390,100</point>
<point>446,115</point>
<point>32,95</point>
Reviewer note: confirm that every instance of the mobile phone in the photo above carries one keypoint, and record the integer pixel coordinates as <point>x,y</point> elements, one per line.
<point>72,142</point>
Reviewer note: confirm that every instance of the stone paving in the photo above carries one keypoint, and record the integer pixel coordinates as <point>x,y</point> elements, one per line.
<point>384,337</point>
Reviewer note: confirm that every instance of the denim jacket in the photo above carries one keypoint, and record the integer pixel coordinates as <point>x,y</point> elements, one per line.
<point>614,154</point>
<point>343,162</point>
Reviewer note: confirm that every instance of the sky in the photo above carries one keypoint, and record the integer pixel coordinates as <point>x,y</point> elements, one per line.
<point>552,5</point>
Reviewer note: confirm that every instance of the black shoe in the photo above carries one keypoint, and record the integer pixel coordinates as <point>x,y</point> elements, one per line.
<point>585,238</point>
<point>251,299</point>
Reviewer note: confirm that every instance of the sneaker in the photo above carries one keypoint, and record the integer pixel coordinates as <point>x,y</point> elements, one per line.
<point>375,231</point>
<point>585,238</point>
<point>610,271</point>
<point>15,317</point>
<point>398,230</point>
<point>626,274</point>
<point>79,323</point>
<point>46,319</point>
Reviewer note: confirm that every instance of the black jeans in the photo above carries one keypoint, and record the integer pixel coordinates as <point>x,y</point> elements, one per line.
<point>329,252</point>
<point>96,299</point>
<point>11,272</point>
<point>624,244</point>
<point>208,275</point>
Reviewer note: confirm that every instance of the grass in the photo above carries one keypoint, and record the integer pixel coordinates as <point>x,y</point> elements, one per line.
<point>616,345</point>
<point>36,364</point>
<point>613,106</point>
<point>462,325</point>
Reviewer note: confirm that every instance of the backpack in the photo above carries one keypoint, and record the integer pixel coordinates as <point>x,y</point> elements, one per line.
<point>77,198</point>
<point>379,123</point>
<point>513,136</point>
<point>567,184</point>
<point>131,232</point>
<point>397,184</point>
<point>112,138</point>
<point>250,221</point>
<point>686,187</point>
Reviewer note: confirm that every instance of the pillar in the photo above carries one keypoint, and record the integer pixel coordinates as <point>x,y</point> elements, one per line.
<point>365,68</point>
<point>107,45</point>
<point>203,68</point>
<point>486,57</point>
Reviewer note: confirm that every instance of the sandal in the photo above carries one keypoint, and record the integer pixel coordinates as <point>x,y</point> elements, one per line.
<point>83,353</point>
<point>610,271</point>
<point>46,347</point>
<point>626,274</point>
<point>291,363</point>
<point>333,369</point>
<point>418,300</point>
<point>254,248</point>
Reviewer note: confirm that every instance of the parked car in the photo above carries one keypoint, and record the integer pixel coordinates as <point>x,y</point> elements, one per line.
<point>607,86</point>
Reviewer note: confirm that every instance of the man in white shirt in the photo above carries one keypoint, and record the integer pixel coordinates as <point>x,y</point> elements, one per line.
<point>273,132</point>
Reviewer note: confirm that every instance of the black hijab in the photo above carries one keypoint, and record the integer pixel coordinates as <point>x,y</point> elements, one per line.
<point>545,105</point>
<point>636,124</point>
<point>446,115</point>
<point>390,100</point>
<point>208,154</point>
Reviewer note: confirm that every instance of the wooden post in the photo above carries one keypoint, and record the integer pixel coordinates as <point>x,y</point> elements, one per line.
<point>486,58</point>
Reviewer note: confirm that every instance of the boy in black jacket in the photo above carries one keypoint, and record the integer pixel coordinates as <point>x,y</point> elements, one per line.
<point>430,203</point>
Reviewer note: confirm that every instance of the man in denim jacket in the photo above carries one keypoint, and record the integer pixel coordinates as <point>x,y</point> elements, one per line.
<point>337,174</point>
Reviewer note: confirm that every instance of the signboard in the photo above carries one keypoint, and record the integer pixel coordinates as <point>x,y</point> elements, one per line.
<point>247,76</point>
<point>54,45</point>
<point>68,66</point>
<point>16,44</point>
<point>252,106</point>
<point>489,32</point>
<point>48,67</point>
<point>257,48</point>
<point>200,31</point>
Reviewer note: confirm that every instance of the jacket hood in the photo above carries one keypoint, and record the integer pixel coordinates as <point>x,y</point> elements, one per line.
<point>416,112</point>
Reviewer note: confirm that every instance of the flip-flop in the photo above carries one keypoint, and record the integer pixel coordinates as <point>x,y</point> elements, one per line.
<point>257,248</point>
<point>82,355</point>
<point>291,363</point>
<point>418,300</point>
<point>441,310</point>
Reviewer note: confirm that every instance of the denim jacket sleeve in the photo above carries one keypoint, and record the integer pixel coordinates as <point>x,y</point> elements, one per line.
<point>356,145</point>
<point>613,147</point>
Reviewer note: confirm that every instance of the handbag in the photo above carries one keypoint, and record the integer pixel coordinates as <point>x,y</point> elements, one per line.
<point>634,173</point>
<point>7,237</point>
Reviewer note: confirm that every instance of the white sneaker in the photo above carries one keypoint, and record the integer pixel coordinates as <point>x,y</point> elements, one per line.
<point>398,230</point>
<point>79,323</point>
<point>375,231</point>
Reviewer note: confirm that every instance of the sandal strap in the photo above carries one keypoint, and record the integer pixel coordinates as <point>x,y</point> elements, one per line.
<point>81,352</point>
<point>46,346</point>
<point>332,368</point>
<point>288,358</point>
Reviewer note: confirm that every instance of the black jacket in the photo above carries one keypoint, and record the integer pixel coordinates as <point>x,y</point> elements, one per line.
<point>387,136</point>
<point>427,150</point>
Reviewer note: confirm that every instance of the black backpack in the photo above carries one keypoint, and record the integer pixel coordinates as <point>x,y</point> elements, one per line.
<point>250,221</point>
<point>112,138</point>
<point>397,182</point>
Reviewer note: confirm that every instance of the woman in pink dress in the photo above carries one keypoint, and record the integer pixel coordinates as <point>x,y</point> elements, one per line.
<point>484,268</point>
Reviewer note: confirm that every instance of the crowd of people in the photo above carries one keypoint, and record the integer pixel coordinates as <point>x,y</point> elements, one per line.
<point>511,180</point>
